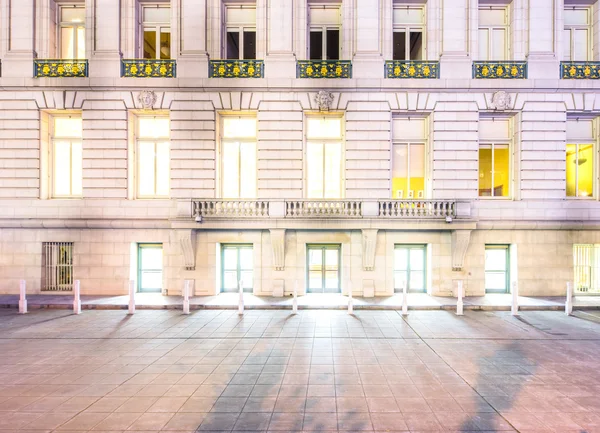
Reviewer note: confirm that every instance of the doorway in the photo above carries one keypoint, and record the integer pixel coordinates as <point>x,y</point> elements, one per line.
<point>410,268</point>
<point>323,268</point>
<point>497,269</point>
<point>150,268</point>
<point>237,265</point>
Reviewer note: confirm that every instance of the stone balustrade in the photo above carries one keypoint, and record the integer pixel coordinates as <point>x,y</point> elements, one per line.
<point>417,209</point>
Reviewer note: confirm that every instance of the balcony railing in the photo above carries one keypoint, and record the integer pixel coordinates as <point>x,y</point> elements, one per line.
<point>236,69</point>
<point>505,69</point>
<point>417,208</point>
<point>58,68</point>
<point>148,68</point>
<point>230,208</point>
<point>580,70</point>
<point>412,69</point>
<point>323,208</point>
<point>324,69</point>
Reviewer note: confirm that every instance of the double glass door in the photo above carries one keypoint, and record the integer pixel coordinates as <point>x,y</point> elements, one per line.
<point>237,265</point>
<point>409,268</point>
<point>323,268</point>
<point>150,264</point>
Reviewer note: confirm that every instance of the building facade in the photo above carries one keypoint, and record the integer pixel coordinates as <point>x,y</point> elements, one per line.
<point>322,145</point>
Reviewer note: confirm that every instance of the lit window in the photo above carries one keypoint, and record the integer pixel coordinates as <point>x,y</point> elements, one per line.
<point>325,30</point>
<point>238,157</point>
<point>408,159</point>
<point>496,269</point>
<point>156,30</point>
<point>66,156</point>
<point>577,33</point>
<point>240,25</point>
<point>237,264</point>
<point>409,268</point>
<point>409,25</point>
<point>493,33</point>
<point>324,157</point>
<point>586,265</point>
<point>72,32</point>
<point>323,268</point>
<point>494,157</point>
<point>580,158</point>
<point>153,157</point>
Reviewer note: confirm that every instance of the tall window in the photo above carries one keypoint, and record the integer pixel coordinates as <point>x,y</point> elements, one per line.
<point>240,28</point>
<point>497,268</point>
<point>493,33</point>
<point>586,264</point>
<point>577,33</point>
<point>324,157</point>
<point>72,31</point>
<point>236,265</point>
<point>409,267</point>
<point>57,266</point>
<point>238,157</point>
<point>581,135</point>
<point>66,156</point>
<point>408,160</point>
<point>153,157</point>
<point>325,30</point>
<point>156,29</point>
<point>494,157</point>
<point>409,25</point>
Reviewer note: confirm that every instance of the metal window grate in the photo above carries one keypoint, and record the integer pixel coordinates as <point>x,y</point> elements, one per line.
<point>57,266</point>
<point>586,258</point>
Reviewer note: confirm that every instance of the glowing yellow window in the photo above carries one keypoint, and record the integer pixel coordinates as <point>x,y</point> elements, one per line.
<point>324,154</point>
<point>66,156</point>
<point>494,157</point>
<point>156,29</point>
<point>408,160</point>
<point>72,32</point>
<point>153,157</point>
<point>580,158</point>
<point>238,157</point>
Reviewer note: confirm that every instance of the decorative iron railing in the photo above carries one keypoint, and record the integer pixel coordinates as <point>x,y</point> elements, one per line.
<point>323,208</point>
<point>324,69</point>
<point>417,208</point>
<point>230,208</point>
<point>580,70</point>
<point>148,68</point>
<point>505,69</point>
<point>412,69</point>
<point>236,69</point>
<point>58,68</point>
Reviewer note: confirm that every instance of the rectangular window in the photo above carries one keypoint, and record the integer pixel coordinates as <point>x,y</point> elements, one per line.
<point>57,266</point>
<point>67,161</point>
<point>71,35</point>
<point>497,275</point>
<point>410,264</point>
<point>493,33</point>
<point>156,31</point>
<point>494,157</point>
<point>323,268</point>
<point>586,264</point>
<point>324,157</point>
<point>240,32</point>
<point>238,157</point>
<point>153,157</point>
<point>237,264</point>
<point>409,28</point>
<point>409,141</point>
<point>325,25</point>
<point>150,267</point>
<point>577,33</point>
<point>581,137</point>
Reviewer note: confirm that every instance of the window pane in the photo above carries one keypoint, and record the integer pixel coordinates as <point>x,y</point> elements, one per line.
<point>165,43</point>
<point>567,45</point>
<point>400,259</point>
<point>62,170</point>
<point>495,259</point>
<point>76,168</point>
<point>585,170</point>
<point>498,44</point>
<point>231,173</point>
<point>246,258</point>
<point>333,44</point>
<point>324,127</point>
<point>247,279</point>
<point>230,258</point>
<point>81,42</point>
<point>315,279</point>
<point>495,281</point>
<point>157,15</point>
<point>400,279</point>
<point>580,45</point>
<point>249,45</point>
<point>485,171</point>
<point>322,15</point>
<point>248,170</point>
<point>146,180</point>
<point>417,169</point>
<point>400,171</point>
<point>67,42</point>
<point>151,280</point>
<point>501,174</point>
<point>314,165</point>
<point>162,169</point>
<point>417,281</point>
<point>72,14</point>
<point>68,127</point>
<point>576,17</point>
<point>484,44</point>
<point>416,45</point>
<point>230,280</point>
<point>331,280</point>
<point>316,45</point>
<point>153,127</point>
<point>149,44</point>
<point>492,17</point>
<point>399,45</point>
<point>571,170</point>
<point>408,15</point>
<point>333,170</point>
<point>331,259</point>
<point>233,45</point>
<point>152,258</point>
<point>234,127</point>
<point>417,259</point>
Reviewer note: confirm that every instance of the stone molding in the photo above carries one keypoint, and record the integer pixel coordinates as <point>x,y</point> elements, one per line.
<point>187,240</point>
<point>369,244</point>
<point>460,243</point>
<point>278,246</point>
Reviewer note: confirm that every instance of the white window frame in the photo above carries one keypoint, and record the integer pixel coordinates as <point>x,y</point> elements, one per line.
<point>578,141</point>
<point>74,26</point>
<point>323,28</point>
<point>52,168</point>
<point>426,155</point>
<point>154,26</point>
<point>572,27</point>
<point>490,28</point>
<point>155,140</point>
<point>239,27</point>
<point>407,28</point>
<point>500,141</point>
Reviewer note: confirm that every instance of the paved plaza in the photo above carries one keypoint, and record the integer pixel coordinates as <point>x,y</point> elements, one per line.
<point>271,371</point>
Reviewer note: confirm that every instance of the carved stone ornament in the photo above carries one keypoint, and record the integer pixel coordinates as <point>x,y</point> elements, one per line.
<point>501,101</point>
<point>369,243</point>
<point>324,99</point>
<point>147,99</point>
<point>460,242</point>
<point>278,245</point>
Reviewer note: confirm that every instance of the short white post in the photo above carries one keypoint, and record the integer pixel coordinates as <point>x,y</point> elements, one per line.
<point>350,299</point>
<point>514,309</point>
<point>569,301</point>
<point>131,296</point>
<point>404,298</point>
<point>77,298</point>
<point>241,302</point>
<point>295,300</point>
<point>22,298</point>
<point>186,297</point>
<point>459,301</point>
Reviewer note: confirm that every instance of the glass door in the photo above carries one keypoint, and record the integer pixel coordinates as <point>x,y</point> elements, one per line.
<point>410,268</point>
<point>497,269</point>
<point>236,264</point>
<point>150,267</point>
<point>323,268</point>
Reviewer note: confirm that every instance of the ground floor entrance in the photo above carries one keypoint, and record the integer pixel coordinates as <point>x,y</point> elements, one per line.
<point>150,268</point>
<point>323,268</point>
<point>236,266</point>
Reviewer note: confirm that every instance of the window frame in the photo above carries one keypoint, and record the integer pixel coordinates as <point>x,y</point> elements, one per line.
<point>490,28</point>
<point>410,247</point>
<point>155,141</point>
<point>52,160</point>
<point>75,26</point>
<point>323,29</point>
<point>156,27</point>
<point>497,142</point>
<point>238,247</point>
<point>409,143</point>
<point>506,271</point>
<point>572,27</point>
<point>578,141</point>
<point>140,270</point>
<point>406,29</point>
<point>241,27</point>
<point>323,248</point>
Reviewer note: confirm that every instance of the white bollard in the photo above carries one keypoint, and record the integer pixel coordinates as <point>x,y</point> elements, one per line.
<point>404,298</point>
<point>569,301</point>
<point>22,297</point>
<point>131,296</point>
<point>77,298</point>
<point>241,302</point>
<point>514,309</point>
<point>186,297</point>
<point>350,299</point>
<point>459,301</point>
<point>295,301</point>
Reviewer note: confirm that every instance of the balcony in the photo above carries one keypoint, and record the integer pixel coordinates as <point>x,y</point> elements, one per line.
<point>324,69</point>
<point>505,69</point>
<point>236,69</point>
<point>59,68</point>
<point>148,68</point>
<point>580,70</point>
<point>412,69</point>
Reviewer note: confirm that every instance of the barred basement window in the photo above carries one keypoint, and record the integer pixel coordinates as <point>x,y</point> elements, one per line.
<point>57,266</point>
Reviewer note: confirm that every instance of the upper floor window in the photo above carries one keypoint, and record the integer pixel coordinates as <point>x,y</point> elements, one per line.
<point>324,156</point>
<point>581,136</point>
<point>152,136</point>
<point>156,30</point>
<point>72,31</point>
<point>66,155</point>
<point>577,33</point>
<point>494,157</point>
<point>493,33</point>
<point>409,137</point>
<point>238,157</point>
<point>325,23</point>
<point>409,27</point>
<point>240,29</point>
